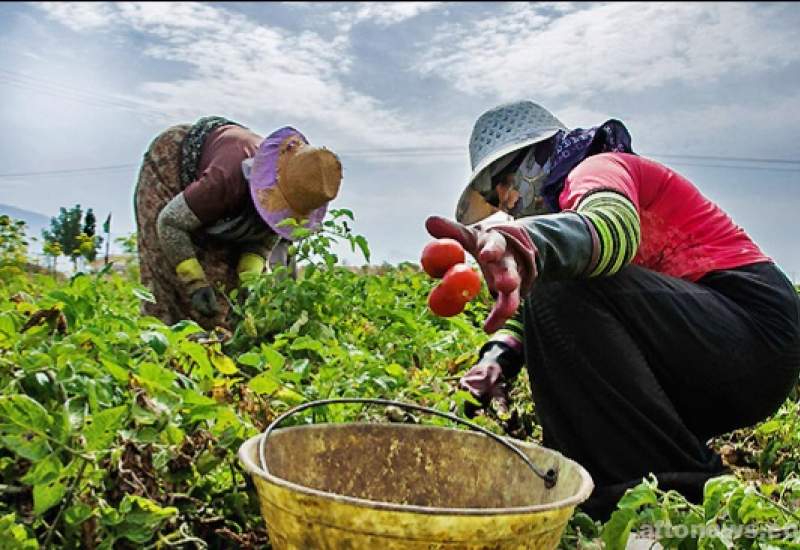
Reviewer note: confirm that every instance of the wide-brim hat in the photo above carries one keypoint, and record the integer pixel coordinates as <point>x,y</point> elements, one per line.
<point>498,134</point>
<point>291,179</point>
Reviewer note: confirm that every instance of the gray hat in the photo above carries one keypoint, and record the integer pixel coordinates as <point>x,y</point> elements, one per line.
<point>499,133</point>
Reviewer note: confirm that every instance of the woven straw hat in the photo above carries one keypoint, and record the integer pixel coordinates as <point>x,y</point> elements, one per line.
<point>291,179</point>
<point>497,135</point>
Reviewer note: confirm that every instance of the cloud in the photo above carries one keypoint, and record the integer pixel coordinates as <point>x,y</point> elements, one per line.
<point>79,16</point>
<point>586,50</point>
<point>257,73</point>
<point>739,128</point>
<point>383,14</point>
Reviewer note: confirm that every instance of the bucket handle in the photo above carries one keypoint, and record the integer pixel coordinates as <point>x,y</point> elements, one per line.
<point>550,477</point>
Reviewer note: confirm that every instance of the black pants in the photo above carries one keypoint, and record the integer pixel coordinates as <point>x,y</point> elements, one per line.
<point>633,373</point>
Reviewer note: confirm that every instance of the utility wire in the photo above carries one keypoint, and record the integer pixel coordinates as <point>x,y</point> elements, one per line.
<point>736,159</point>
<point>53,89</point>
<point>420,152</point>
<point>113,167</point>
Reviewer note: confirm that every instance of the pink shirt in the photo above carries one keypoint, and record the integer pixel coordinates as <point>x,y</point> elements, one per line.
<point>683,234</point>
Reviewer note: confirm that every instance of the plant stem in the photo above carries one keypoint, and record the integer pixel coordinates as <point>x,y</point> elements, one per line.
<point>65,503</point>
<point>779,506</point>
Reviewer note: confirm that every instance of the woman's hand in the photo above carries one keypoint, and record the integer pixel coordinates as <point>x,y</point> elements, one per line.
<point>506,255</point>
<point>204,300</point>
<point>485,382</point>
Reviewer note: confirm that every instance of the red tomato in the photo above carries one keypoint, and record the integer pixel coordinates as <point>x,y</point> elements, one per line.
<point>462,280</point>
<point>444,302</point>
<point>440,255</point>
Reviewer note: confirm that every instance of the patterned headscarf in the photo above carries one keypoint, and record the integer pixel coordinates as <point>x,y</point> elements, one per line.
<point>540,184</point>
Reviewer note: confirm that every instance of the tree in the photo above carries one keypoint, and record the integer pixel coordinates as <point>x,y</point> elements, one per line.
<point>89,223</point>
<point>91,242</point>
<point>64,230</point>
<point>13,246</point>
<point>73,240</point>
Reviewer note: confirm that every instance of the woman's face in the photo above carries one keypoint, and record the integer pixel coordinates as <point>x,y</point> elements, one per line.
<point>508,194</point>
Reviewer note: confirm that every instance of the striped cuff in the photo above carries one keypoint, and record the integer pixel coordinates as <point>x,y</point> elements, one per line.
<point>508,338</point>
<point>617,233</point>
<point>511,334</point>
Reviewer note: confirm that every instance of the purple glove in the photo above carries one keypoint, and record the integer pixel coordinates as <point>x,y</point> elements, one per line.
<point>486,383</point>
<point>506,255</point>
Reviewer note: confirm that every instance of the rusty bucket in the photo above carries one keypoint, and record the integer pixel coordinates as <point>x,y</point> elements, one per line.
<point>406,486</point>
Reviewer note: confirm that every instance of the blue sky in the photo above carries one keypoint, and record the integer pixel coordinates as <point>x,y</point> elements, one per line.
<point>86,85</point>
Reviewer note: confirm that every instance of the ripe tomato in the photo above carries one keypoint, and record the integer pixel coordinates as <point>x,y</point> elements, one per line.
<point>462,280</point>
<point>440,255</point>
<point>444,302</point>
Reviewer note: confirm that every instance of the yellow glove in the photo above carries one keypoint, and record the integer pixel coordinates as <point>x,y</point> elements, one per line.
<point>250,263</point>
<point>191,274</point>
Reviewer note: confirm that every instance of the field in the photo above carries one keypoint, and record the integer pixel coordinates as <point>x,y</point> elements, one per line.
<point>117,431</point>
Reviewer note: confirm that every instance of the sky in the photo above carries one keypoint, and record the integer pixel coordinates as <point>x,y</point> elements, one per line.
<point>394,89</point>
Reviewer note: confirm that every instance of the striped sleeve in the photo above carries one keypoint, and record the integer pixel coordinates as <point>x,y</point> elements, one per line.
<point>512,334</point>
<point>506,347</point>
<point>617,234</point>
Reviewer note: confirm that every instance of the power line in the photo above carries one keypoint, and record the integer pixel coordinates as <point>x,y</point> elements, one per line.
<point>730,166</point>
<point>54,89</point>
<point>422,152</point>
<point>732,159</point>
<point>113,167</point>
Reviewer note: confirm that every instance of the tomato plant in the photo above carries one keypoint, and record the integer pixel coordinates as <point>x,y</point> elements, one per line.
<point>117,431</point>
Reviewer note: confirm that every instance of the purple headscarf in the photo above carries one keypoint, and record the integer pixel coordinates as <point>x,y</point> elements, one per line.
<point>574,146</point>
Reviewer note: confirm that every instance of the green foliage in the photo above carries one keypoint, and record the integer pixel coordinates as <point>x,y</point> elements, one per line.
<point>118,431</point>
<point>734,514</point>
<point>127,243</point>
<point>13,247</point>
<point>72,239</point>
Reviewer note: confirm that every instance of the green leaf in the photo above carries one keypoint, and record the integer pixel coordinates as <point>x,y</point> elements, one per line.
<point>769,427</point>
<point>616,532</point>
<point>461,397</point>
<point>144,294</point>
<point>155,340</point>
<point>396,370</point>
<point>24,425</point>
<point>224,364</point>
<point>343,212</point>
<point>264,383</point>
<point>155,377</point>
<point>638,496</point>
<point>47,495</point>
<point>714,492</point>
<point>77,514</point>
<point>306,343</point>
<point>138,518</point>
<point>250,359</point>
<point>7,326</point>
<point>120,374</point>
<point>294,330</point>
<point>362,244</point>
<point>755,509</point>
<point>274,358</point>
<point>14,536</point>
<point>104,427</point>
<point>199,355</point>
<point>44,471</point>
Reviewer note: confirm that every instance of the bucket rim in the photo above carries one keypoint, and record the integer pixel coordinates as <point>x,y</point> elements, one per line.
<point>253,468</point>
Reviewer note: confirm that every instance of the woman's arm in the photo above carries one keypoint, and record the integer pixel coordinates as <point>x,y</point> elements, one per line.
<point>176,221</point>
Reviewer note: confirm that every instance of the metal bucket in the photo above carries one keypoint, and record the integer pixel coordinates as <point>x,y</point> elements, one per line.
<point>405,486</point>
